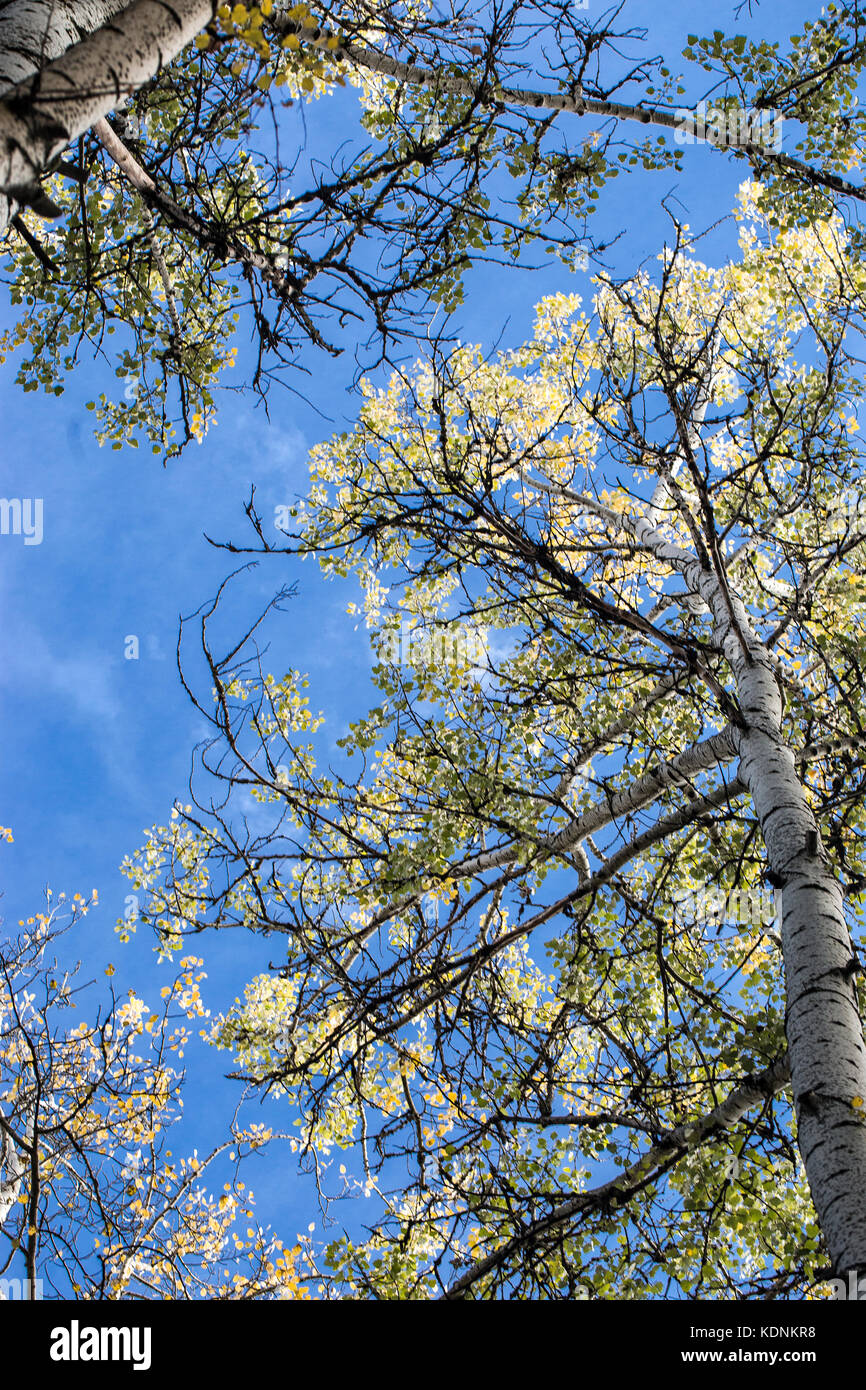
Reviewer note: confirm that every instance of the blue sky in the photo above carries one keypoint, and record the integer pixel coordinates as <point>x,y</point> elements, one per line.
<point>97,747</point>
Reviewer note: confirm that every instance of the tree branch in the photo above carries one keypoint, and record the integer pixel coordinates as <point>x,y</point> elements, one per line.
<point>682,1140</point>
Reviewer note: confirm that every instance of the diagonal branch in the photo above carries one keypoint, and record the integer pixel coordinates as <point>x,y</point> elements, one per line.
<point>670,1149</point>
<point>574,102</point>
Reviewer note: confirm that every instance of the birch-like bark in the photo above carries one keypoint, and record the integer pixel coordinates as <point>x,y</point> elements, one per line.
<point>62,99</point>
<point>207,234</point>
<point>12,1170</point>
<point>35,32</point>
<point>823,1024</point>
<point>698,758</point>
<point>13,1166</point>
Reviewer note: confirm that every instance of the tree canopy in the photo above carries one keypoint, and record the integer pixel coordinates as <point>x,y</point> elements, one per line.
<point>568,932</point>
<point>92,1202</point>
<point>481,132</point>
<point>534,934</point>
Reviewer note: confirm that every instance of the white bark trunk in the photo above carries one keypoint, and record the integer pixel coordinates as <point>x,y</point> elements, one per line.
<point>12,1170</point>
<point>62,99</point>
<point>823,1025</point>
<point>824,1029</point>
<point>35,32</point>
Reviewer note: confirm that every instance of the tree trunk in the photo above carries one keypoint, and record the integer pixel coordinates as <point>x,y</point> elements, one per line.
<point>62,97</point>
<point>823,1025</point>
<point>12,1169</point>
<point>35,32</point>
